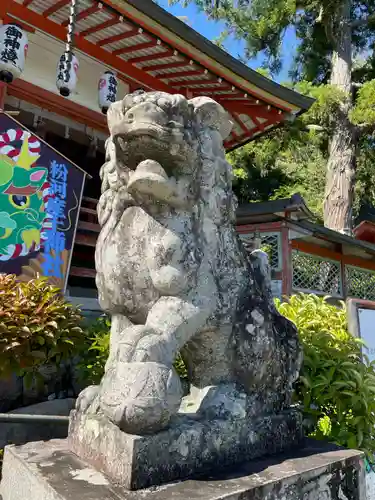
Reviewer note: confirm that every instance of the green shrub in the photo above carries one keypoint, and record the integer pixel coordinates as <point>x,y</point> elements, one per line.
<point>337,385</point>
<point>37,326</point>
<point>96,351</point>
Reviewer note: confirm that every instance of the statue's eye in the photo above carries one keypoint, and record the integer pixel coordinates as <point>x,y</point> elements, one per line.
<point>19,201</point>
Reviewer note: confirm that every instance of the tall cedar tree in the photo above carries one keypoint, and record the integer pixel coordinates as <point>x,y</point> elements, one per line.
<point>336,38</point>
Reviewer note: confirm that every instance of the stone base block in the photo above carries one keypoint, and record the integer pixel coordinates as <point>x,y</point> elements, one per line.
<point>49,471</point>
<point>187,448</point>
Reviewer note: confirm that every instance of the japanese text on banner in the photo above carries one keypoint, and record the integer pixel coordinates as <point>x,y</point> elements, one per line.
<point>55,244</point>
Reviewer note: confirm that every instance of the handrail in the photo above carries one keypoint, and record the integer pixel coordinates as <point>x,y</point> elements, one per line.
<point>23,418</point>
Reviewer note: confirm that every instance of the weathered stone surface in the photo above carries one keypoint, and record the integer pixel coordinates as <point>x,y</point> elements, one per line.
<point>49,471</point>
<point>189,445</point>
<point>22,433</point>
<point>174,276</point>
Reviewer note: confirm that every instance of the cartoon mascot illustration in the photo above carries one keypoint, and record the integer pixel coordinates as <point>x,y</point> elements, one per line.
<point>24,194</point>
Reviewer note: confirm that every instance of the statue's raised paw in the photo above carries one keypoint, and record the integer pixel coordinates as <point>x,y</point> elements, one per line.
<point>141,398</point>
<point>154,348</point>
<point>151,179</point>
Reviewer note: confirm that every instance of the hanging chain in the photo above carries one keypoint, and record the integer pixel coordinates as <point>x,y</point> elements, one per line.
<point>68,55</point>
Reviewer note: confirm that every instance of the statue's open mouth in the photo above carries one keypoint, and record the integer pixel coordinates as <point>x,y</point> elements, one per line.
<point>152,142</point>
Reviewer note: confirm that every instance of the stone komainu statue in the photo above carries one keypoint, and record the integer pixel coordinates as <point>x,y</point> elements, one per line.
<point>173,274</point>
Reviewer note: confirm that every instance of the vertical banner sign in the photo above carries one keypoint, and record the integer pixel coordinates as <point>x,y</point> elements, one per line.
<point>40,199</point>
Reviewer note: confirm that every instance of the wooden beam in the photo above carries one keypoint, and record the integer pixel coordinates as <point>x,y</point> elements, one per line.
<point>87,240</point>
<point>135,48</point>
<point>100,27</point>
<point>260,111</point>
<point>93,201</point>
<point>261,126</point>
<point>183,47</point>
<point>84,13</point>
<point>236,97</point>
<point>242,138</point>
<point>203,81</point>
<point>88,226</point>
<point>82,272</point>
<point>181,74</point>
<point>234,135</point>
<point>314,249</point>
<point>358,262</point>
<point>241,123</point>
<point>262,227</point>
<point>170,65</point>
<point>59,32</point>
<point>9,19</point>
<point>120,36</point>
<point>53,102</point>
<point>54,8</point>
<point>4,8</point>
<point>211,90</point>
<point>89,211</point>
<point>152,57</point>
<point>3,93</point>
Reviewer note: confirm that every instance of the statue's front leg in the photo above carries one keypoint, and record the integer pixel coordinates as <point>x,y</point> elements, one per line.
<point>170,324</point>
<point>141,391</point>
<point>123,340</point>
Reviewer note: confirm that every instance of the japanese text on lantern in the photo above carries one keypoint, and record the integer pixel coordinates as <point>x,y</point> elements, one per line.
<point>11,44</point>
<point>112,89</point>
<point>60,75</point>
<point>55,243</point>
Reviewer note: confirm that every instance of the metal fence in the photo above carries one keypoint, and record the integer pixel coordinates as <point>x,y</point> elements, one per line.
<point>313,274</point>
<point>360,283</point>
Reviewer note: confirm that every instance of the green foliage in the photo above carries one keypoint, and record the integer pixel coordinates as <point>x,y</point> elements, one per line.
<point>364,111</point>
<point>95,352</point>
<point>328,100</point>
<point>268,250</point>
<point>262,26</point>
<point>37,326</point>
<point>256,175</point>
<point>286,161</point>
<point>294,159</point>
<point>337,385</point>
<point>181,368</point>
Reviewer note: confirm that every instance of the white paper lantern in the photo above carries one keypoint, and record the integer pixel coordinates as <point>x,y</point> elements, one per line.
<point>67,82</point>
<point>14,45</point>
<point>107,90</point>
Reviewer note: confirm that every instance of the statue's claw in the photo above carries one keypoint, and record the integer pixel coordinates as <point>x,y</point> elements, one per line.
<point>86,397</point>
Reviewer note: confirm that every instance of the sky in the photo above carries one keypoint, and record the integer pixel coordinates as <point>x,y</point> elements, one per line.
<point>211,30</point>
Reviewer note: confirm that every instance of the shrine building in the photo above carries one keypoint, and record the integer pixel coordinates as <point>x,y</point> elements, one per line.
<point>60,93</point>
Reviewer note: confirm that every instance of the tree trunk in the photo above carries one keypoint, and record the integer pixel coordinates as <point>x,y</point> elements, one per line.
<point>338,200</point>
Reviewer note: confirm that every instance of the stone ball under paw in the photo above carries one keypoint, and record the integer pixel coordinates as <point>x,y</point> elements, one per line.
<point>141,398</point>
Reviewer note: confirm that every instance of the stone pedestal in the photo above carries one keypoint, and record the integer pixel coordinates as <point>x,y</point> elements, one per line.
<point>189,446</point>
<point>49,471</point>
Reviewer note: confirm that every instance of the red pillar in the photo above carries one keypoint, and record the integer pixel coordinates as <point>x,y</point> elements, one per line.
<point>3,93</point>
